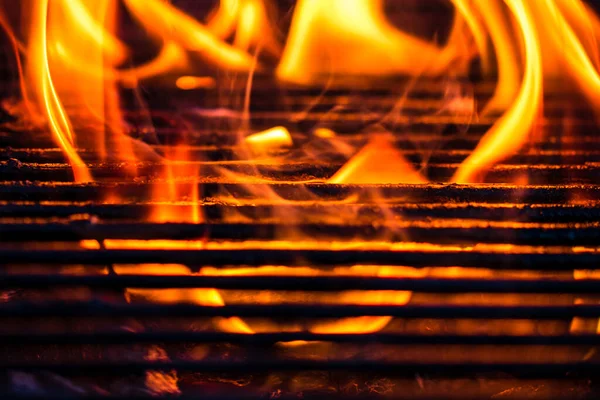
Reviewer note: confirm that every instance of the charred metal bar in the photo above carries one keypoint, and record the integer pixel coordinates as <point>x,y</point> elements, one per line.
<point>449,155</point>
<point>405,369</point>
<point>505,173</point>
<point>11,171</point>
<point>294,311</point>
<point>401,193</point>
<point>302,283</point>
<point>214,211</point>
<point>417,256</point>
<point>240,396</point>
<point>245,396</point>
<point>431,231</point>
<point>268,339</point>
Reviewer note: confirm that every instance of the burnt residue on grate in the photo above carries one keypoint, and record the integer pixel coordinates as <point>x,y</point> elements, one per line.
<point>448,291</point>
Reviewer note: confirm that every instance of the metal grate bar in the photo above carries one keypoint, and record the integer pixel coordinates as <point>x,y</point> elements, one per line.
<point>551,259</point>
<point>432,231</point>
<point>405,369</point>
<point>433,193</point>
<point>294,311</point>
<point>268,339</point>
<point>303,283</point>
<point>53,157</point>
<point>536,173</point>
<point>557,213</point>
<point>241,396</point>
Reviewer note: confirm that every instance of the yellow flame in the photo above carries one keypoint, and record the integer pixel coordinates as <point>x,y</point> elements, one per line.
<point>507,55</point>
<point>40,81</point>
<point>512,129</point>
<point>269,139</point>
<point>568,44</point>
<point>222,21</point>
<point>115,50</point>
<point>352,38</point>
<point>170,24</point>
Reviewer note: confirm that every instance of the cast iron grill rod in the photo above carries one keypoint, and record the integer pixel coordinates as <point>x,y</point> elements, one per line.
<point>432,231</point>
<point>555,260</point>
<point>268,339</point>
<point>291,311</point>
<point>590,211</point>
<point>41,156</point>
<point>502,173</point>
<point>405,369</point>
<point>96,192</point>
<point>403,193</point>
<point>294,396</point>
<point>302,283</point>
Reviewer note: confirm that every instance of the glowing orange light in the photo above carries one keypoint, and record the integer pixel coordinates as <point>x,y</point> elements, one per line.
<point>346,38</point>
<point>170,24</point>
<point>378,163</point>
<point>270,139</point>
<point>195,82</point>
<point>512,129</point>
<point>40,81</point>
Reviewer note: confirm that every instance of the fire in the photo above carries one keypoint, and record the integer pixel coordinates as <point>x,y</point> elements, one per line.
<point>181,176</point>
<point>378,163</point>
<point>510,132</point>
<point>76,67</point>
<point>169,24</point>
<point>40,83</point>
<point>261,142</point>
<point>353,38</point>
<point>195,82</point>
<point>558,37</point>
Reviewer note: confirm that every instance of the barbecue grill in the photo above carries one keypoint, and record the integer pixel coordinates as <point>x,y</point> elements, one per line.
<point>487,290</point>
<point>515,323</point>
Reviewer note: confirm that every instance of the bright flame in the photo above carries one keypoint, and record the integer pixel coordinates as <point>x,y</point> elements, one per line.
<point>170,24</point>
<point>40,81</point>
<point>510,132</point>
<point>273,138</point>
<point>378,163</point>
<point>505,42</point>
<point>567,43</point>
<point>346,38</point>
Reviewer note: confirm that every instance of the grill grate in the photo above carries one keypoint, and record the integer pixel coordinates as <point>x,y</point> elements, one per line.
<point>512,322</point>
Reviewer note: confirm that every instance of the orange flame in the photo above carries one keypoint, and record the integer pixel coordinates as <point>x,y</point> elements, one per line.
<point>170,24</point>
<point>378,163</point>
<point>346,38</point>
<point>510,132</point>
<point>559,39</point>
<point>40,81</point>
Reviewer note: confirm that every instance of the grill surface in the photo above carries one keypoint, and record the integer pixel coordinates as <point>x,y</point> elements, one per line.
<point>512,323</point>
